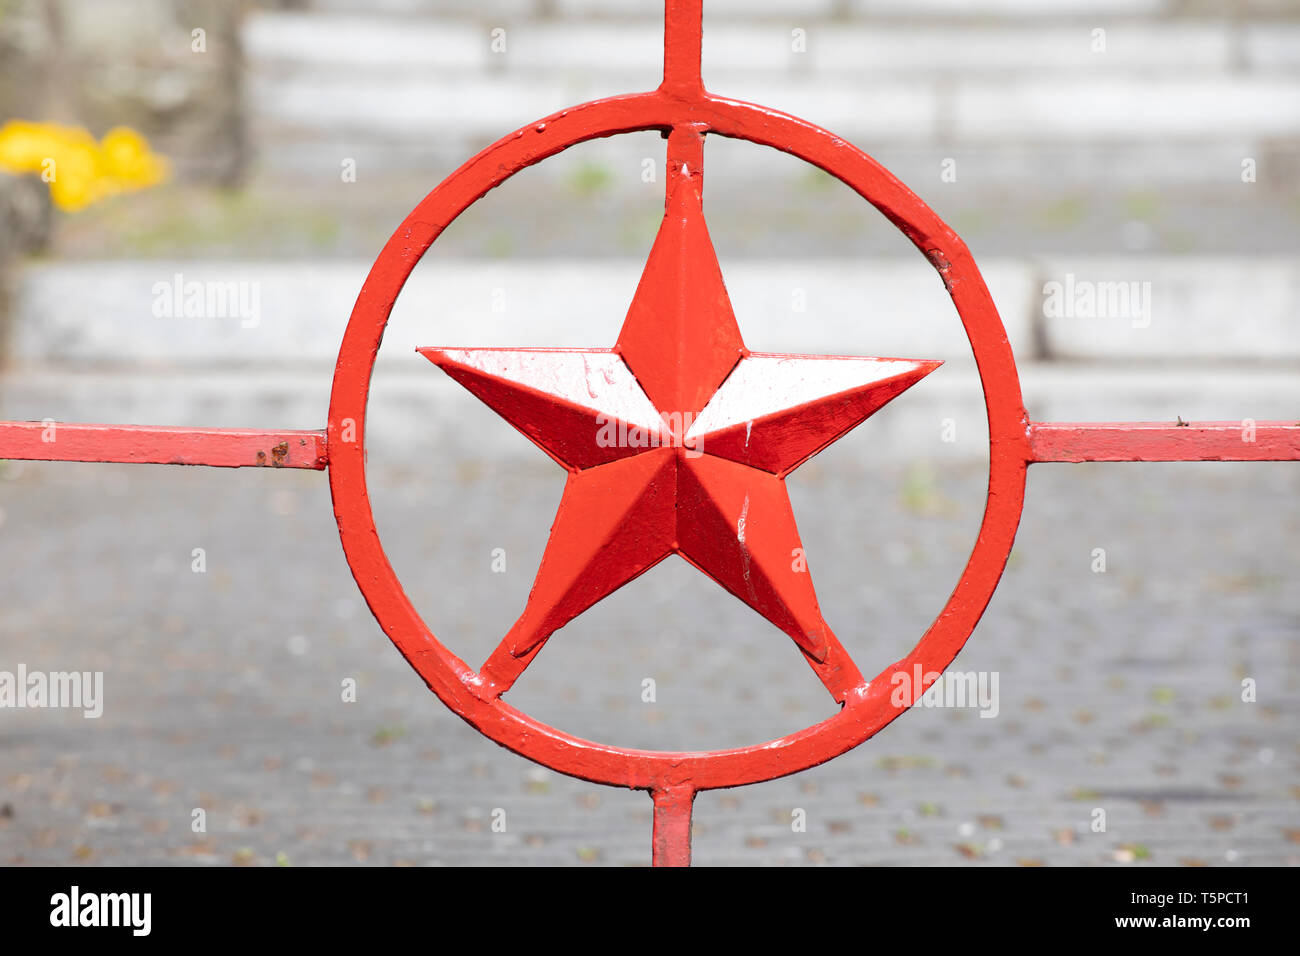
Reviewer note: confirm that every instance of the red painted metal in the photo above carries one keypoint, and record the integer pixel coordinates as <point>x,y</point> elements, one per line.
<point>160,445</point>
<point>684,111</point>
<point>704,434</point>
<point>683,41</point>
<point>671,839</point>
<point>1165,441</point>
<point>680,338</point>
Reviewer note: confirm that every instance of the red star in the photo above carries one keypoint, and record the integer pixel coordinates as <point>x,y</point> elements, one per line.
<point>677,441</point>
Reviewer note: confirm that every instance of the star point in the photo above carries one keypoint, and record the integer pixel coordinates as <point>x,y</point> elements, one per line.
<point>680,337</point>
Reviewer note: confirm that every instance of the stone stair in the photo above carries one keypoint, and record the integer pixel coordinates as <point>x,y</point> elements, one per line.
<point>1212,339</point>
<point>1011,89</point>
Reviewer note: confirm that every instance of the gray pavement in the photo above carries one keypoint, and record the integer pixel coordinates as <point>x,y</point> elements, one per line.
<point>1119,691</point>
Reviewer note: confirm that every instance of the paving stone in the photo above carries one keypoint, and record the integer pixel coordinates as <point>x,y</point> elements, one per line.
<point>1118,691</point>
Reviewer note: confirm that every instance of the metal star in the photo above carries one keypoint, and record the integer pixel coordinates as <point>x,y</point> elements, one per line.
<point>677,441</point>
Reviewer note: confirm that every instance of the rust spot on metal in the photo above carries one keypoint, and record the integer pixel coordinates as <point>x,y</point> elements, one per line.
<point>278,454</point>
<point>261,458</point>
<point>944,267</point>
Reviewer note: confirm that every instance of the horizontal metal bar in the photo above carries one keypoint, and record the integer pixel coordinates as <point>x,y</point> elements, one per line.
<point>163,445</point>
<point>1244,440</point>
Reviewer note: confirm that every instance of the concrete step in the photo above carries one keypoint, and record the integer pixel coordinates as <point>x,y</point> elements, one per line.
<point>1046,111</point>
<point>96,342</point>
<point>177,314</point>
<point>1170,308</point>
<point>405,89</point>
<point>960,10</point>
<point>619,50</point>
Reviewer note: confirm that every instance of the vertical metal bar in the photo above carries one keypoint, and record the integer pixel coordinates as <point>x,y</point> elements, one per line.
<point>672,826</point>
<point>685,159</point>
<point>683,34</point>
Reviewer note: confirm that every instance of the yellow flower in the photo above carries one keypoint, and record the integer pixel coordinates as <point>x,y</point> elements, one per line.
<point>79,170</point>
<point>128,159</point>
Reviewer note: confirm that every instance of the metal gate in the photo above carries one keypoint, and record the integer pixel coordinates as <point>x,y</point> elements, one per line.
<point>677,440</point>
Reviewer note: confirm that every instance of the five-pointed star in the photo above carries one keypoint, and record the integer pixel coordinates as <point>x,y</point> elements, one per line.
<point>677,441</point>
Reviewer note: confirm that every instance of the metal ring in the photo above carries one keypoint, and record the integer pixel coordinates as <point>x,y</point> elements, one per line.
<point>448,676</point>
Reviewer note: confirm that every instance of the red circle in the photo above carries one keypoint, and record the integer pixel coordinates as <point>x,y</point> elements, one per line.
<point>453,680</point>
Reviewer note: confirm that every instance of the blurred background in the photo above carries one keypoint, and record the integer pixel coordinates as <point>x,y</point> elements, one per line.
<point>1125,173</point>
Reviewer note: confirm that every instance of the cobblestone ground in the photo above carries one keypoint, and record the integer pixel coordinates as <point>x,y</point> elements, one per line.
<point>1119,691</point>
